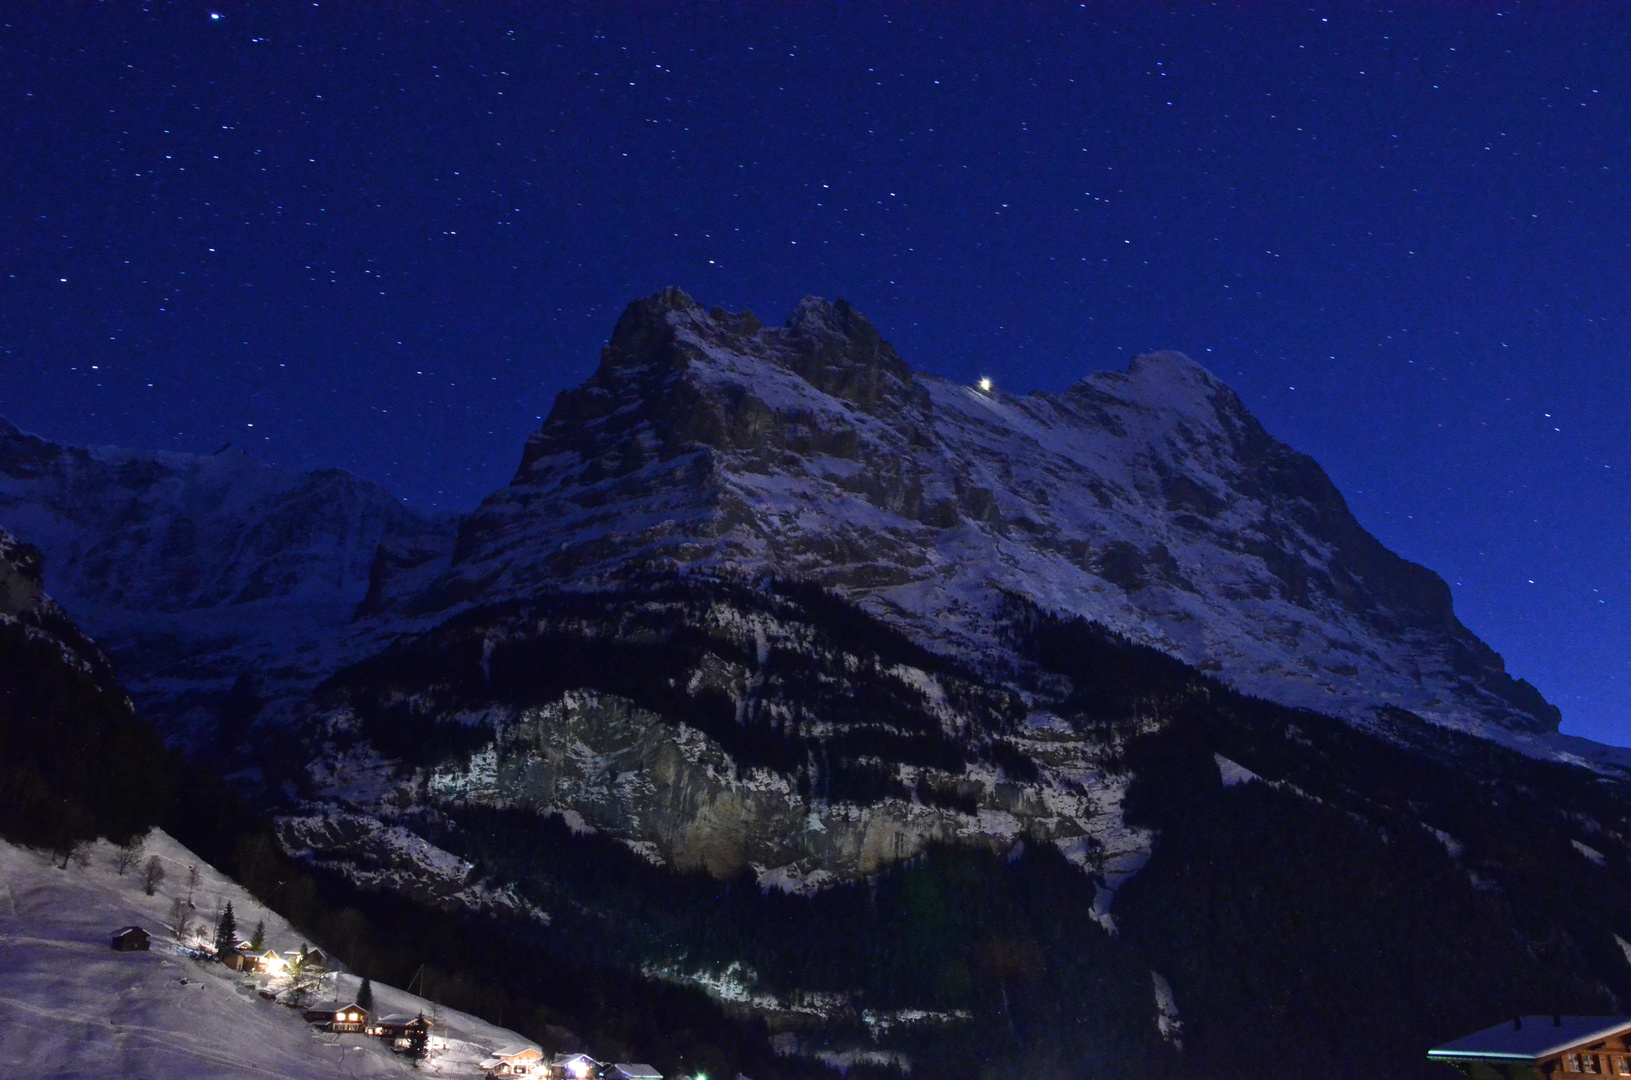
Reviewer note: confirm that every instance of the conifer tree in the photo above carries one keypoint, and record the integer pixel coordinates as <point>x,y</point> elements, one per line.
<point>418,1041</point>
<point>257,940</point>
<point>226,934</point>
<point>365,995</point>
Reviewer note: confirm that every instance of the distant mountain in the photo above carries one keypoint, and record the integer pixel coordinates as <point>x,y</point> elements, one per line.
<point>203,574</point>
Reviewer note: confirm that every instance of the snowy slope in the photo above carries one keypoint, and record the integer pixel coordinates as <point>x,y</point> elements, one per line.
<point>72,1007</point>
<point>1149,501</point>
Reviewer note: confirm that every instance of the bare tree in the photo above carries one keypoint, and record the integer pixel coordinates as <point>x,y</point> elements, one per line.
<point>129,853</point>
<point>70,850</point>
<point>192,883</point>
<point>152,874</point>
<point>181,919</point>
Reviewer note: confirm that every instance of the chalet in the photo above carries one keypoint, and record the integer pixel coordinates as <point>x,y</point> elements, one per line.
<point>1541,1048</point>
<point>314,960</point>
<point>516,1061</point>
<point>398,1029</point>
<point>628,1070</point>
<point>574,1067</point>
<point>337,1016</point>
<point>270,963</point>
<point>130,939</point>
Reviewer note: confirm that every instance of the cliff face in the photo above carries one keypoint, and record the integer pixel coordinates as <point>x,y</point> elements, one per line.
<point>1148,500</point>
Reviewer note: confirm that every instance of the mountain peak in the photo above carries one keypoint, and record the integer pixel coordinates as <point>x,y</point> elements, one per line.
<point>1148,500</point>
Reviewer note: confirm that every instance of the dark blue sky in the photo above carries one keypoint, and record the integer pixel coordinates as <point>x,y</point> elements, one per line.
<point>384,239</point>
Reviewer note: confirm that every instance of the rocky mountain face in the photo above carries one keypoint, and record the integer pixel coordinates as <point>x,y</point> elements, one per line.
<point>919,726</point>
<point>1149,501</point>
<point>203,573</point>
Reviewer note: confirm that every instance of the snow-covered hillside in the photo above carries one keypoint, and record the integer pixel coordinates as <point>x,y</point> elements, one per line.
<point>70,1006</point>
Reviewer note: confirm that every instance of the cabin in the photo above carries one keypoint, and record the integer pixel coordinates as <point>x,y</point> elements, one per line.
<point>338,1016</point>
<point>574,1067</point>
<point>1542,1048</point>
<point>270,963</point>
<point>516,1061</point>
<point>130,939</point>
<point>315,960</point>
<point>398,1029</point>
<point>629,1070</point>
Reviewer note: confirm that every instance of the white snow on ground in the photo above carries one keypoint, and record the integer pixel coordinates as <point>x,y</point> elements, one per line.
<point>1166,1011</point>
<point>1591,854</point>
<point>70,1006</point>
<point>1232,773</point>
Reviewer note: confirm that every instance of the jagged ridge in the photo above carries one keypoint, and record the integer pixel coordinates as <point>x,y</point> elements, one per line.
<point>1150,500</point>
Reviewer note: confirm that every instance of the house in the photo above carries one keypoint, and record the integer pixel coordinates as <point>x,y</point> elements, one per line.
<point>516,1061</point>
<point>574,1067</point>
<point>130,939</point>
<point>267,962</point>
<point>270,963</point>
<point>1542,1047</point>
<point>338,1016</point>
<point>315,960</point>
<point>628,1070</point>
<point>398,1029</point>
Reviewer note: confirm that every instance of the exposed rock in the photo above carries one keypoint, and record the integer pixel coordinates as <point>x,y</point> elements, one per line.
<point>1148,500</point>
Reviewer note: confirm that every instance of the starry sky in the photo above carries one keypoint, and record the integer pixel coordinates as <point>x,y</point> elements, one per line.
<point>385,236</point>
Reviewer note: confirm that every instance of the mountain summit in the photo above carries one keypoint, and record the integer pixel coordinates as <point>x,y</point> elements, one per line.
<point>1150,501</point>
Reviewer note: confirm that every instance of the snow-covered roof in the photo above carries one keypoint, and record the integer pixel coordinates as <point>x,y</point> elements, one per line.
<point>400,1018</point>
<point>636,1071</point>
<point>517,1051</point>
<point>1529,1038</point>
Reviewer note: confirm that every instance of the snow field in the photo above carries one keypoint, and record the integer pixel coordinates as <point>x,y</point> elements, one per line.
<point>71,1007</point>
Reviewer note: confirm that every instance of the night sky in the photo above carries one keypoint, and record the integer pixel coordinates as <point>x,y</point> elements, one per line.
<point>385,236</point>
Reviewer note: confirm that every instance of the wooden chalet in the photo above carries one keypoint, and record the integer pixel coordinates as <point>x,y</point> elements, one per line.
<point>516,1061</point>
<point>130,939</point>
<point>315,960</point>
<point>1542,1047</point>
<point>337,1016</point>
<point>574,1067</point>
<point>398,1029</point>
<point>629,1070</point>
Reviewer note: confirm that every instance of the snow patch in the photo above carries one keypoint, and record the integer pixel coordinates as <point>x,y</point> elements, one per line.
<point>1232,773</point>
<point>1591,854</point>
<point>1166,1011</point>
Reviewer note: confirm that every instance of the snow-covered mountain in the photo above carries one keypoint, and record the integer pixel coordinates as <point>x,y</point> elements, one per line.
<point>1149,501</point>
<point>203,573</point>
<point>917,724</point>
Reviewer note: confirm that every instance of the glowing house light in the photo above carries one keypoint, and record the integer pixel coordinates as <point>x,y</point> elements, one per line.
<point>985,386</point>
